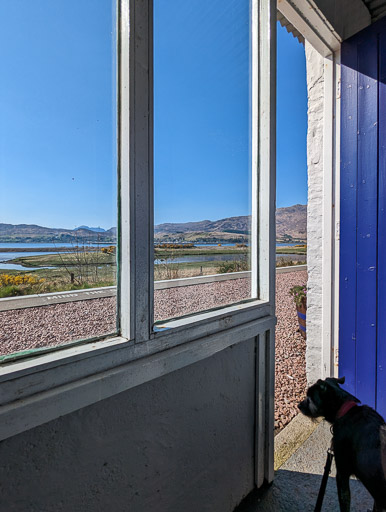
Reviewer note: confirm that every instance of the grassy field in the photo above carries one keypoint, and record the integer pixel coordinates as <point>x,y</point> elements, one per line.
<point>199,251</point>
<point>52,280</point>
<point>65,259</point>
<point>69,271</point>
<point>292,250</point>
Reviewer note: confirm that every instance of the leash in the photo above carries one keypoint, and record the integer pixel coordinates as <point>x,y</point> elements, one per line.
<point>323,485</point>
<point>344,409</point>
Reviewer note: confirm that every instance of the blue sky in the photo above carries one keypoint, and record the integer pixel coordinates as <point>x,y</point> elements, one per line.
<point>291,164</point>
<point>57,112</point>
<point>201,83</point>
<point>57,119</point>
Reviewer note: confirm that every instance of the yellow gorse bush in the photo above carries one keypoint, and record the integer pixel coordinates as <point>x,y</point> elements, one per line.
<point>111,249</point>
<point>26,279</point>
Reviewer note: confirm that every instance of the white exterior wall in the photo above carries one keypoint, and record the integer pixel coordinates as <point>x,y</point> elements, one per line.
<point>315,88</point>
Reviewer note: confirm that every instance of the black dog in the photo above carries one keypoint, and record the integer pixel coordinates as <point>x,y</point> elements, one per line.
<point>359,439</point>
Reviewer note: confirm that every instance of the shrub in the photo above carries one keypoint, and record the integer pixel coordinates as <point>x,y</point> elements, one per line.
<point>9,291</point>
<point>111,249</point>
<point>18,280</point>
<point>19,284</point>
<point>299,293</point>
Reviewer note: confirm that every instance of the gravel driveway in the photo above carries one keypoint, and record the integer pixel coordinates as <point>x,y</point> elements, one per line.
<point>43,326</point>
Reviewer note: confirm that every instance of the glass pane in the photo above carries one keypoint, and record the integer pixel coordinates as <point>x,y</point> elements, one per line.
<point>202,155</point>
<point>58,161</point>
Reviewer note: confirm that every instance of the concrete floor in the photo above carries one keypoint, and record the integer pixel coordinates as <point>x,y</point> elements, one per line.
<point>297,482</point>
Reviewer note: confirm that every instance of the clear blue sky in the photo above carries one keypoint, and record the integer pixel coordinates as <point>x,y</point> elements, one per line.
<point>291,164</point>
<point>57,118</point>
<point>57,113</point>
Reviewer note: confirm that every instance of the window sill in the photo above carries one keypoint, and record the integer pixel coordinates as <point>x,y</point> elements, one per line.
<point>40,389</point>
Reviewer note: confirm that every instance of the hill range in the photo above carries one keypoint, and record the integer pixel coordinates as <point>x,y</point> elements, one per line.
<point>291,225</point>
<point>29,233</point>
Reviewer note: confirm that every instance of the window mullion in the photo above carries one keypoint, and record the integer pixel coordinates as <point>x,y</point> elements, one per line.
<point>254,100</point>
<point>125,279</point>
<point>141,166</point>
<point>267,149</point>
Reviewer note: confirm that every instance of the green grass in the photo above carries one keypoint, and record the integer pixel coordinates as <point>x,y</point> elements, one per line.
<point>9,291</point>
<point>291,250</point>
<point>65,259</point>
<point>198,251</point>
<point>59,278</point>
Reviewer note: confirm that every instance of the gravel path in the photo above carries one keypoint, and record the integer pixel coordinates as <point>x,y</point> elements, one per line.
<point>174,302</point>
<point>25,329</point>
<point>290,350</point>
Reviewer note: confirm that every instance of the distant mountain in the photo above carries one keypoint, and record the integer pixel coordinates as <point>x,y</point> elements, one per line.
<point>111,232</point>
<point>96,230</point>
<point>35,233</point>
<point>229,225</point>
<point>291,224</point>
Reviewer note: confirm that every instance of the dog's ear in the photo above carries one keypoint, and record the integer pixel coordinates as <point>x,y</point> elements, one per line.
<point>340,380</point>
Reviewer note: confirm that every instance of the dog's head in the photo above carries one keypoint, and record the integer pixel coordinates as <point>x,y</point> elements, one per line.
<point>325,398</point>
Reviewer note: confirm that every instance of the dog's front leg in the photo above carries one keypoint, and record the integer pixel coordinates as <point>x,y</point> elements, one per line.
<point>343,485</point>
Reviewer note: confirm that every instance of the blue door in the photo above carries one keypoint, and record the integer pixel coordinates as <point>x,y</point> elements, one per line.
<point>362,317</point>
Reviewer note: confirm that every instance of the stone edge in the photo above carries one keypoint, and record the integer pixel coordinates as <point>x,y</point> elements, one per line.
<point>292,437</point>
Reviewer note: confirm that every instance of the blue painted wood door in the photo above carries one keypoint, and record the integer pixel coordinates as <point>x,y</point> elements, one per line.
<point>362,317</point>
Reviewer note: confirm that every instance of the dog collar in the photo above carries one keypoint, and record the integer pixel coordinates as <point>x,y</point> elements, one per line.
<point>347,406</point>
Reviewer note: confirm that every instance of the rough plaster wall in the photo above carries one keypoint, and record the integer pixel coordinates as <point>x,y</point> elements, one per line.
<point>315,87</point>
<point>181,442</point>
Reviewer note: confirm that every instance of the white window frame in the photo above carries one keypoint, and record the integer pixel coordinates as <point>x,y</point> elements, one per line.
<point>44,387</point>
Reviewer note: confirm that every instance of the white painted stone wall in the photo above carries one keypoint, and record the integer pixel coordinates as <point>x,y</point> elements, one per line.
<point>315,87</point>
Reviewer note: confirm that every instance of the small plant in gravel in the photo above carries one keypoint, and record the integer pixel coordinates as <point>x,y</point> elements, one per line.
<point>299,293</point>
